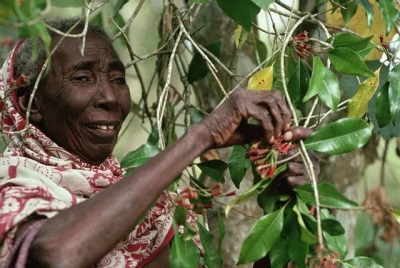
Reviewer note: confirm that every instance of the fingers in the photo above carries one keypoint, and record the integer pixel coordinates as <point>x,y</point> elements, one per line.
<point>297,133</point>
<point>269,108</point>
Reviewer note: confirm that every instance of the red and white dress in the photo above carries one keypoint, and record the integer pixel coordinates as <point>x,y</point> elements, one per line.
<point>38,177</point>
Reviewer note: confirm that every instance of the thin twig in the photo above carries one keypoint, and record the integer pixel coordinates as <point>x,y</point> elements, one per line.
<point>304,154</point>
<point>164,93</point>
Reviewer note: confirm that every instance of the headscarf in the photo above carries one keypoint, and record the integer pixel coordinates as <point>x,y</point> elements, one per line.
<point>38,177</point>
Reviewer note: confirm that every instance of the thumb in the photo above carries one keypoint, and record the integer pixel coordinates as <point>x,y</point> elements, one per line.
<point>297,133</point>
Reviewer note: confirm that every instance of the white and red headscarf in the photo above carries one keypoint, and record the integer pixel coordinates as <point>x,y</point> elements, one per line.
<point>38,177</point>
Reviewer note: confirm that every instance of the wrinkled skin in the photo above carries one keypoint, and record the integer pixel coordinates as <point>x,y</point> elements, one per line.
<point>82,94</point>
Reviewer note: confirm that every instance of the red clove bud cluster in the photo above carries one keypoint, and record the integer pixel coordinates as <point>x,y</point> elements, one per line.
<point>265,156</point>
<point>302,45</point>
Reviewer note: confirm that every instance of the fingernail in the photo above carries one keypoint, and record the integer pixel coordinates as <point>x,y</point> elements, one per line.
<point>288,136</point>
<point>271,140</point>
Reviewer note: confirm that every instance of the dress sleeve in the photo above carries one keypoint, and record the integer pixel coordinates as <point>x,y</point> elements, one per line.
<point>20,249</point>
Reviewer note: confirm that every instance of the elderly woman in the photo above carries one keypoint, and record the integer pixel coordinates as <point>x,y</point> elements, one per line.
<point>63,200</point>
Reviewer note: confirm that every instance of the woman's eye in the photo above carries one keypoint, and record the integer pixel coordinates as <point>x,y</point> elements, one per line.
<point>119,80</point>
<point>81,78</point>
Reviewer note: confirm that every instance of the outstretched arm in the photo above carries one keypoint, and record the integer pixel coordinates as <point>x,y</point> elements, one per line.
<point>82,234</point>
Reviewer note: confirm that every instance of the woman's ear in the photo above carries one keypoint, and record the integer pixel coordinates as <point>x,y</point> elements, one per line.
<point>23,96</point>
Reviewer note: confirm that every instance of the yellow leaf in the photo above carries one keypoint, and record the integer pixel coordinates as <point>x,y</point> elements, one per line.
<point>240,36</point>
<point>359,102</point>
<point>359,25</point>
<point>262,80</point>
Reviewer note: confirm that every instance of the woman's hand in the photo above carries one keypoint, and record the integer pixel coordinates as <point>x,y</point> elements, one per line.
<point>228,124</point>
<point>296,173</point>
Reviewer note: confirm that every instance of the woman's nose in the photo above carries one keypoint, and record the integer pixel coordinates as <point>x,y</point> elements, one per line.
<point>107,98</point>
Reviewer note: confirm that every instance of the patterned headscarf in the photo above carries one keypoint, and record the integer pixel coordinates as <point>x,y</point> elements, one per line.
<point>38,177</point>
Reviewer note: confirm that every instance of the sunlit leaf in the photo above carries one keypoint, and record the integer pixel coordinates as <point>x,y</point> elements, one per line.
<point>394,92</point>
<point>184,253</point>
<point>262,80</point>
<point>359,102</point>
<point>238,164</point>
<point>382,106</point>
<point>396,214</point>
<point>214,168</point>
<point>262,237</point>
<point>240,36</point>
<point>361,262</point>
<point>389,13</point>
<point>263,4</point>
<point>329,196</point>
<point>139,156</point>
<point>369,11</point>
<point>198,68</point>
<point>211,257</point>
<point>337,243</point>
<point>342,136</point>
<point>243,12</point>
<point>349,62</point>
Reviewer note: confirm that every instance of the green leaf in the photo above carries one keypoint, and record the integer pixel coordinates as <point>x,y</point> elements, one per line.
<point>253,191</point>
<point>355,43</point>
<point>348,9</point>
<point>238,164</point>
<point>298,84</point>
<point>324,84</point>
<point>317,79</point>
<point>262,237</point>
<point>342,136</point>
<point>195,116</point>
<point>297,249</point>
<point>329,196</point>
<point>199,1</point>
<point>278,254</point>
<point>305,234</point>
<point>6,9</point>
<point>330,90</point>
<point>361,262</point>
<point>369,11</point>
<point>394,92</point>
<point>211,257</point>
<point>69,3</point>
<point>349,62</point>
<point>140,156</point>
<point>382,106</point>
<point>389,13</point>
<point>332,227</point>
<point>358,104</point>
<point>242,12</point>
<point>214,168</point>
<point>261,49</point>
<point>198,68</point>
<point>184,253</point>
<point>337,244</point>
<point>263,4</point>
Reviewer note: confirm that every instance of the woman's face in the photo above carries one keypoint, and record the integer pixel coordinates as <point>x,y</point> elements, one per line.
<point>84,99</point>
